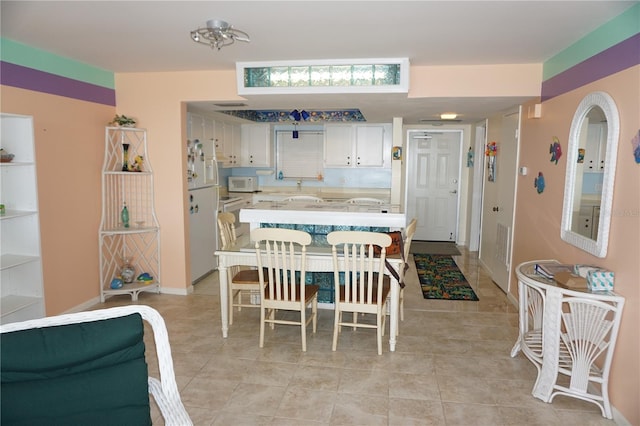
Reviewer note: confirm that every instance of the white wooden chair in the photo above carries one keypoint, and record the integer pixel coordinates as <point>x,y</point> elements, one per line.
<point>88,368</point>
<point>409,232</point>
<point>364,200</point>
<point>242,281</point>
<point>365,288</point>
<point>281,259</point>
<point>304,198</point>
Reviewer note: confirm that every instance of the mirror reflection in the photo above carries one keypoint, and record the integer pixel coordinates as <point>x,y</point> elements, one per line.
<point>591,163</point>
<point>587,196</point>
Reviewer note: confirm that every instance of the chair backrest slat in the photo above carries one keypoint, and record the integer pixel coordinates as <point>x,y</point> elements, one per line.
<point>226,225</point>
<point>227,228</point>
<point>353,255</point>
<point>277,251</point>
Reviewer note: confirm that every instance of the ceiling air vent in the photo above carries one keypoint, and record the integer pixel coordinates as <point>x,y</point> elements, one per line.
<point>438,120</point>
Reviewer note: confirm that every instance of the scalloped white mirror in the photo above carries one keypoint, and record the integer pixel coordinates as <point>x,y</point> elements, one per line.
<point>591,166</point>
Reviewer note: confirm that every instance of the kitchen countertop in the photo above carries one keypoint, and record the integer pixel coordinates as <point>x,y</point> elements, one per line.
<point>328,213</point>
<point>328,193</point>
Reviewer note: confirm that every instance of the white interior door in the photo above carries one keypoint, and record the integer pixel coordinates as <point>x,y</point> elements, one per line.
<point>433,180</point>
<point>499,199</point>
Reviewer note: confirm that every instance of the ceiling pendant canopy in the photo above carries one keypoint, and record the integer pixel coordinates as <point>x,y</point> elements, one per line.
<point>218,34</point>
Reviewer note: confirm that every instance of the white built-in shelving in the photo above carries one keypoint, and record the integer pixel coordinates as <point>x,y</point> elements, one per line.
<point>21,278</point>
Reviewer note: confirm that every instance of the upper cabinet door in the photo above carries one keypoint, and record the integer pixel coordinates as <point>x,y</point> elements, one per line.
<point>338,145</point>
<point>355,145</point>
<point>256,145</point>
<point>369,146</point>
<point>196,127</point>
<point>231,144</point>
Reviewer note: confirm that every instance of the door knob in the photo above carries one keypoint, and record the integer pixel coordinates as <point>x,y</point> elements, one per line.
<point>453,192</point>
<point>495,209</point>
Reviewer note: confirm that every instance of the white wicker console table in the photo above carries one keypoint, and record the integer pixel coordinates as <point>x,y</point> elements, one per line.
<point>569,335</point>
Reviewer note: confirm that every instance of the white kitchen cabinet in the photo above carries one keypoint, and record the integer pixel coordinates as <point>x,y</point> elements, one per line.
<point>219,141</point>
<point>20,256</point>
<point>196,127</point>
<point>588,218</point>
<point>210,137</point>
<point>338,145</point>
<point>369,146</point>
<point>232,144</point>
<point>595,149</point>
<point>140,241</point>
<point>205,130</point>
<point>217,130</point>
<point>354,145</point>
<point>256,145</point>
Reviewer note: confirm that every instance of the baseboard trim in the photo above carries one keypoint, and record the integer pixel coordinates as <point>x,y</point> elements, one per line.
<point>83,306</point>
<point>177,291</point>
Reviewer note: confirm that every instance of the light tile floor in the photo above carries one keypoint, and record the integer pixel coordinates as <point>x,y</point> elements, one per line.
<point>452,365</point>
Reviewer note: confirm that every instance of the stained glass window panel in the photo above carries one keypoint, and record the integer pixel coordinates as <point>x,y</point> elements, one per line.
<point>386,75</point>
<point>320,76</point>
<point>341,75</point>
<point>279,76</point>
<point>299,76</point>
<point>362,75</point>
<point>256,77</point>
<point>358,75</point>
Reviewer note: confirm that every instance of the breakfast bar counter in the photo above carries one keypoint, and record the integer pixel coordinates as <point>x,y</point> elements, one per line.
<point>319,219</point>
<point>327,213</point>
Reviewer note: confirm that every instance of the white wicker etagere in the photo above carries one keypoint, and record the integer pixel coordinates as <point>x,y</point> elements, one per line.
<point>141,241</point>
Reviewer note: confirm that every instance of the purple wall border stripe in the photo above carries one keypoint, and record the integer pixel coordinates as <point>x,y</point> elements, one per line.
<point>40,81</point>
<point>621,56</point>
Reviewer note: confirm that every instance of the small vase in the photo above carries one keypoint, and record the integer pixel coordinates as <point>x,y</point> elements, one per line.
<point>125,157</point>
<point>128,272</point>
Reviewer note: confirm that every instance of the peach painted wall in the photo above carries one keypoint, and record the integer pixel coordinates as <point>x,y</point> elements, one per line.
<point>69,140</point>
<point>157,101</point>
<point>476,81</point>
<point>538,217</point>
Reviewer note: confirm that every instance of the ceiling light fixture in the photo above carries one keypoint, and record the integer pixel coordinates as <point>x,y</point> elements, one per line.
<point>218,34</point>
<point>448,116</point>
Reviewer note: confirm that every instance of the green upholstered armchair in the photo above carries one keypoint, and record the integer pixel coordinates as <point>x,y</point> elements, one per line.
<point>87,368</point>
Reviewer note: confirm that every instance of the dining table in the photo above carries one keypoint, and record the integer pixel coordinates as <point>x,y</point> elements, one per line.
<point>319,259</point>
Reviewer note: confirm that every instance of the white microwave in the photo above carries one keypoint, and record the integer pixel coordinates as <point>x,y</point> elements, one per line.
<point>243,184</point>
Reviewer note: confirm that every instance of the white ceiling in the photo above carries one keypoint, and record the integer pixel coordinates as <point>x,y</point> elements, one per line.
<point>140,36</point>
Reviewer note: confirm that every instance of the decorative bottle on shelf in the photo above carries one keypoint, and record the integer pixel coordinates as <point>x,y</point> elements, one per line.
<point>128,272</point>
<point>125,157</point>
<point>124,216</point>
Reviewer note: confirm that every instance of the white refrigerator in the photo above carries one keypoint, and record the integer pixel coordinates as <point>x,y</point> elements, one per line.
<point>202,180</point>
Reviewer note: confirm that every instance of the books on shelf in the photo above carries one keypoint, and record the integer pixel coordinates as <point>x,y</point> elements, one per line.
<point>549,270</point>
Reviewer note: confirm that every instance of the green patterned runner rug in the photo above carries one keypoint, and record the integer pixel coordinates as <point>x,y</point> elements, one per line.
<point>440,278</point>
